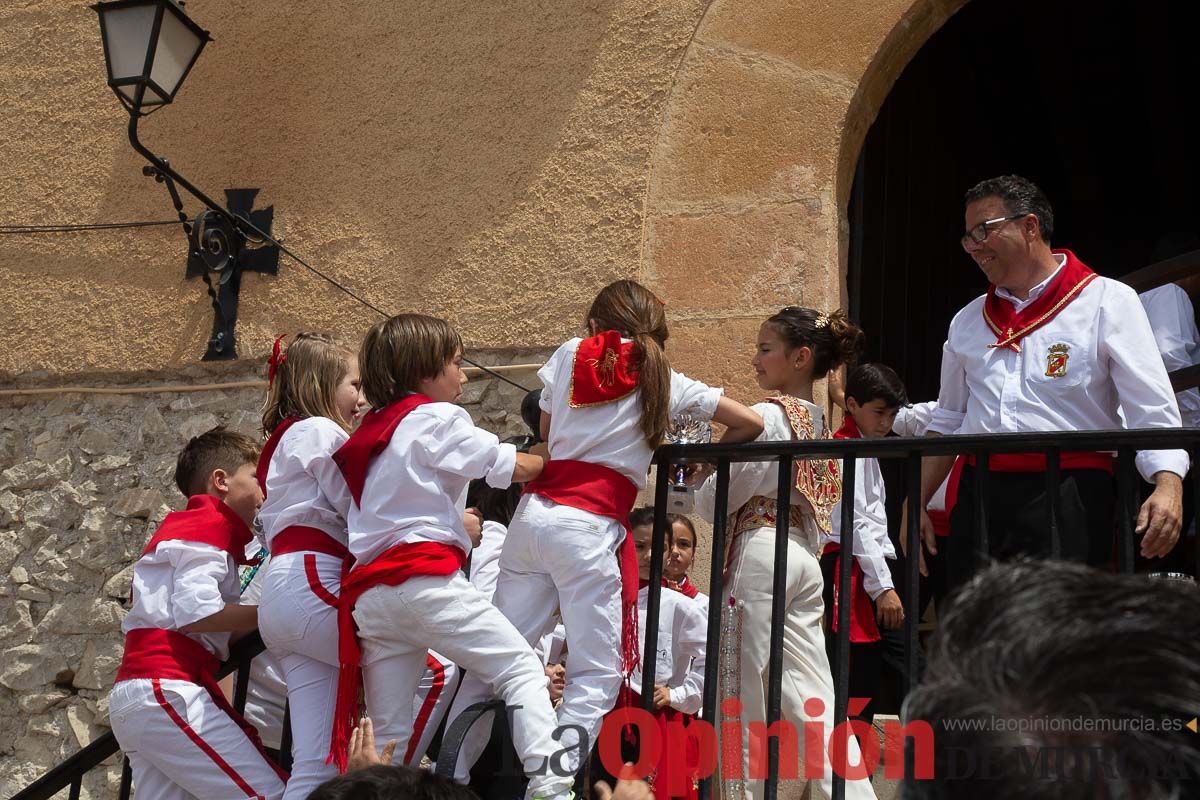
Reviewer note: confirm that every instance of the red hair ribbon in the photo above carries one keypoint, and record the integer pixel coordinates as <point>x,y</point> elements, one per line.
<point>278,356</point>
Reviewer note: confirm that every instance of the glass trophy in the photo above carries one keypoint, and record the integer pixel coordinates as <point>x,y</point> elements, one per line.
<point>684,429</point>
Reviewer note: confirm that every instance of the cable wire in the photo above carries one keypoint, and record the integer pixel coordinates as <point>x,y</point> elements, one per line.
<point>85,226</point>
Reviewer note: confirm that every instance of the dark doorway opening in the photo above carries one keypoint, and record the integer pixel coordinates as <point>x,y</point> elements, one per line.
<point>1088,100</point>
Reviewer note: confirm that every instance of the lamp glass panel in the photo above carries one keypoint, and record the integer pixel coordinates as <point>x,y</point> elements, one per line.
<point>128,33</point>
<point>177,45</point>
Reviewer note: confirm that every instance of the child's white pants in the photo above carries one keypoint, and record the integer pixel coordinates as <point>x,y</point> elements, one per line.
<point>434,693</point>
<point>398,624</point>
<point>182,746</point>
<point>298,623</point>
<point>559,558</point>
<point>806,671</point>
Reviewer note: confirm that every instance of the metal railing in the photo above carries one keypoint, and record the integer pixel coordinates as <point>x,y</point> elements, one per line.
<point>69,774</point>
<point>1052,445</point>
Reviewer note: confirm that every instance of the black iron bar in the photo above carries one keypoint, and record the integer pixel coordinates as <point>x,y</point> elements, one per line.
<point>1053,505</point>
<point>285,738</point>
<point>982,497</point>
<point>1194,472</point>
<point>1126,509</point>
<point>912,594</point>
<point>76,787</point>
<point>778,610</point>
<point>654,595</point>
<point>241,686</point>
<point>845,599</point>
<point>126,787</point>
<point>716,607</point>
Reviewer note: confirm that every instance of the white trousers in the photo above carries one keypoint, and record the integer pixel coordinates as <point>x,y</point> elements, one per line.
<point>559,558</point>
<point>298,623</point>
<point>181,746</point>
<point>806,673</point>
<point>434,693</point>
<point>398,624</point>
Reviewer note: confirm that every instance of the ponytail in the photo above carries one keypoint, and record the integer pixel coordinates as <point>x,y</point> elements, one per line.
<point>632,310</point>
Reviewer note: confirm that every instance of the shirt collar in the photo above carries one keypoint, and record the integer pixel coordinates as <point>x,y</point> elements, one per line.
<point>1036,291</point>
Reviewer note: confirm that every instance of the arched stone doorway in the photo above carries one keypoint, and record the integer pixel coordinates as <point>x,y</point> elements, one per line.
<point>1085,99</point>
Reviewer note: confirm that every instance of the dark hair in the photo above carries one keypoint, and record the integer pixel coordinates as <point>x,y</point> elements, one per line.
<point>833,338</point>
<point>219,448</point>
<point>382,782</point>
<point>868,382</point>
<point>496,505</point>
<point>531,413</point>
<point>1019,196</point>
<point>642,515</point>
<point>1051,642</point>
<point>398,353</point>
<point>633,311</point>
<point>672,518</point>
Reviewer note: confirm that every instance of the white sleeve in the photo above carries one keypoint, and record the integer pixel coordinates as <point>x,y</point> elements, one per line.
<point>951,406</point>
<point>1173,323</point>
<point>745,477</point>
<point>549,373</point>
<point>1144,392</point>
<point>456,446</point>
<point>485,559</point>
<point>870,526</point>
<point>196,581</point>
<point>315,449</point>
<point>693,397</point>
<point>914,420</point>
<point>689,643</point>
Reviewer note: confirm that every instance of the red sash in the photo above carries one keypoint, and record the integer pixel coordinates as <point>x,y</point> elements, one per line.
<point>1036,462</point>
<point>264,458</point>
<point>676,773</point>
<point>303,539</point>
<point>941,517</point>
<point>392,568</point>
<point>370,439</point>
<point>605,369</point>
<point>170,655</point>
<point>685,587</point>
<point>1011,326</point>
<point>209,521</point>
<point>608,493</point>
<point>862,612</point>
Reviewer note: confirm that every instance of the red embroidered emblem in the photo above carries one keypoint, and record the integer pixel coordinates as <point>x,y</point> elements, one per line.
<point>604,370</point>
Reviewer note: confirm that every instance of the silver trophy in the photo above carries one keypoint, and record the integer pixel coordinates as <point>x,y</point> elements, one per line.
<point>684,429</point>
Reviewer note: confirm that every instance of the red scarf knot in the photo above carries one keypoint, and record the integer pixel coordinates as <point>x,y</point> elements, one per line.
<point>370,439</point>
<point>1011,326</point>
<point>605,370</point>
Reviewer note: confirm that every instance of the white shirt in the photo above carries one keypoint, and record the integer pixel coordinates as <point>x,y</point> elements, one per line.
<point>750,478</point>
<point>1113,364</point>
<point>412,490</point>
<point>1173,320</point>
<point>180,583</point>
<point>913,421</point>
<point>610,434</point>
<point>871,543</point>
<point>679,665</point>
<point>485,559</point>
<point>304,486</point>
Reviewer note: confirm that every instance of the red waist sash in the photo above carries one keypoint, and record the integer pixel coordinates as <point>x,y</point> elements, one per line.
<point>170,655</point>
<point>607,493</point>
<point>862,612</point>
<point>303,539</point>
<point>391,568</point>
<point>1036,462</point>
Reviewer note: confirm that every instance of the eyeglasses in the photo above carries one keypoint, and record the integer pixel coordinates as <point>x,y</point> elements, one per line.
<point>980,232</point>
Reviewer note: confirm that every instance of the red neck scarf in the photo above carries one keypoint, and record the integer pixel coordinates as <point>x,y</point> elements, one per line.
<point>365,444</point>
<point>849,429</point>
<point>607,493</point>
<point>264,458</point>
<point>685,587</point>
<point>1011,326</point>
<point>605,370</point>
<point>209,521</point>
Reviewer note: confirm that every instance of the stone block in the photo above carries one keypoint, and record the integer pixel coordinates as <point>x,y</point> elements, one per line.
<point>41,702</point>
<point>19,575</point>
<point>99,663</point>
<point>138,502</point>
<point>109,463</point>
<point>153,430</point>
<point>33,593</point>
<point>95,441</point>
<point>32,666</point>
<point>10,508</point>
<point>17,624</point>
<point>35,474</point>
<point>196,425</point>
<point>82,614</point>
<point>118,585</point>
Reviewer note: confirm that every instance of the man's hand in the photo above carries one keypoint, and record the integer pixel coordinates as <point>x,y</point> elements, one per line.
<point>889,611</point>
<point>1159,520</point>
<point>362,747</point>
<point>473,522</point>
<point>662,697</point>
<point>928,538</point>
<point>626,790</point>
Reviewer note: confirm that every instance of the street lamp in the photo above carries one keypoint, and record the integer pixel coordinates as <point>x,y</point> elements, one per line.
<point>149,48</point>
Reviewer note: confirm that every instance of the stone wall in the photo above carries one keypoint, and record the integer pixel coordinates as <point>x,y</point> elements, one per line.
<point>84,480</point>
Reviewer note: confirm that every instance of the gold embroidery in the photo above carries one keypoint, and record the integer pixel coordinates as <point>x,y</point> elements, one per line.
<point>606,367</point>
<point>761,512</point>
<point>1056,360</point>
<point>1011,337</point>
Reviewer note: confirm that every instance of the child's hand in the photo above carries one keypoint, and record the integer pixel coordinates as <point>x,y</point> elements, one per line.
<point>473,522</point>
<point>662,696</point>
<point>889,611</point>
<point>362,747</point>
<point>626,790</point>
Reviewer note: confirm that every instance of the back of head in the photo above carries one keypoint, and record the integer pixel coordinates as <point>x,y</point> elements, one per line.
<point>633,311</point>
<point>833,338</point>
<point>1020,196</point>
<point>869,382</point>
<point>1055,680</point>
<point>381,782</point>
<point>641,516</point>
<point>399,352</point>
<point>531,413</point>
<point>496,505</point>
<point>306,381</point>
<point>218,448</point>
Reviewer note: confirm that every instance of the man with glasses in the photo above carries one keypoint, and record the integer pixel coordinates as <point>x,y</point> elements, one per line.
<point>1050,346</point>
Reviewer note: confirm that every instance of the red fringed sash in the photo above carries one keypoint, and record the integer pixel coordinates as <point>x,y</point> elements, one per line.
<point>1011,326</point>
